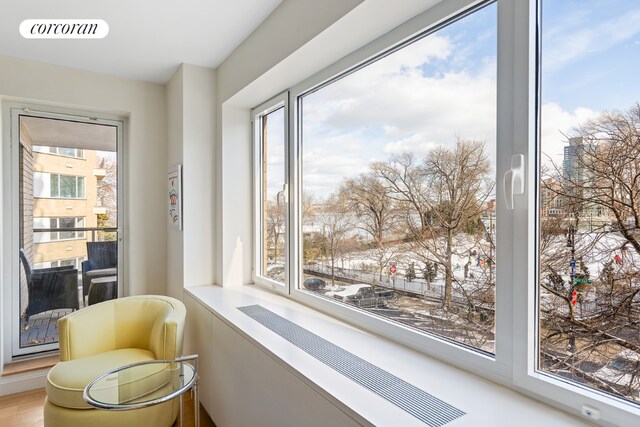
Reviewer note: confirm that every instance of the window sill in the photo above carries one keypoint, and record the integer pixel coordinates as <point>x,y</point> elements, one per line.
<point>485,403</point>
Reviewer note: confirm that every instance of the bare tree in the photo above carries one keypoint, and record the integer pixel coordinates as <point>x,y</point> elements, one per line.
<point>107,191</point>
<point>440,196</point>
<point>373,207</point>
<point>275,221</point>
<point>593,315</point>
<point>337,230</point>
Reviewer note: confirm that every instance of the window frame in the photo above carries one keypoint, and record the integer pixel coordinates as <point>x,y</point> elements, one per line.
<point>495,367</point>
<point>526,104</point>
<point>279,101</point>
<point>518,119</point>
<point>77,186</point>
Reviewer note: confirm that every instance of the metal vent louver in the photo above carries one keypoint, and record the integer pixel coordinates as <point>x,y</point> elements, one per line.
<point>422,405</point>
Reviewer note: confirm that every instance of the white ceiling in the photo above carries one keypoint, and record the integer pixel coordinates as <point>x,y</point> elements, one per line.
<point>147,39</point>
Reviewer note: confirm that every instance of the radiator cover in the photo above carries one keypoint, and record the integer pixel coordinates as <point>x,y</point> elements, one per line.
<point>422,405</point>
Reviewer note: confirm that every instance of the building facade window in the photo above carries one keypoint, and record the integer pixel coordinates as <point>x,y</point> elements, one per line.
<point>76,262</point>
<point>77,153</point>
<point>68,223</point>
<point>50,185</point>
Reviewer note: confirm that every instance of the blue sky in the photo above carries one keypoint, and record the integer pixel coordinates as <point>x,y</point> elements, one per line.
<point>590,62</point>
<point>443,87</point>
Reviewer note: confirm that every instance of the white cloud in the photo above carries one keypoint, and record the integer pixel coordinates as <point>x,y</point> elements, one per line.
<point>413,100</point>
<point>416,143</point>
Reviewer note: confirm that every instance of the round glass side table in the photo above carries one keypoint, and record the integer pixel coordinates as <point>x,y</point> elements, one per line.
<point>144,384</point>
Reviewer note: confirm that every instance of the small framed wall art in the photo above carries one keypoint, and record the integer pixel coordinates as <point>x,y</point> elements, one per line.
<point>174,194</point>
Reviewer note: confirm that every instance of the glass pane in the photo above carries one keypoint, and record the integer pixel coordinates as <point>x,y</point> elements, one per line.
<point>274,231</point>
<point>67,186</point>
<point>589,248</point>
<point>67,223</point>
<point>398,184</point>
<point>55,185</point>
<point>83,184</point>
<point>71,152</point>
<point>80,187</point>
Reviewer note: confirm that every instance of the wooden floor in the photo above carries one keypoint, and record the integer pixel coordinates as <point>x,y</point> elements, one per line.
<point>25,410</point>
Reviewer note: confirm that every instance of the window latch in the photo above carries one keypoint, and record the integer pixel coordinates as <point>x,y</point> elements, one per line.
<point>284,195</point>
<point>514,179</point>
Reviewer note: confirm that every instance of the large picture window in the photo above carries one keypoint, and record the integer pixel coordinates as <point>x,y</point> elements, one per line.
<point>398,184</point>
<point>471,190</point>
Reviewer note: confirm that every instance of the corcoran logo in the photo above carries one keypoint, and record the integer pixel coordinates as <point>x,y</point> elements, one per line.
<point>64,29</point>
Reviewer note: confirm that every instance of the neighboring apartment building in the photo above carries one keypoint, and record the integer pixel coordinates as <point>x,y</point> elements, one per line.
<point>65,195</point>
<point>59,189</point>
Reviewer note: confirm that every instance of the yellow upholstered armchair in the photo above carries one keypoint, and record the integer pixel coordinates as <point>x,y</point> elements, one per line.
<point>103,337</point>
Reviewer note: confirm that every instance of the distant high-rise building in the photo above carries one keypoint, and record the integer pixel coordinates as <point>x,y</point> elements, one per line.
<point>571,169</point>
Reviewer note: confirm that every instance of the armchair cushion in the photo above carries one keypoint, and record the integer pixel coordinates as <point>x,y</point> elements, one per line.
<point>66,381</point>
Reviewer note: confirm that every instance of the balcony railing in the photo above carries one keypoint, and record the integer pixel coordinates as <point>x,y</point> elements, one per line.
<point>93,231</point>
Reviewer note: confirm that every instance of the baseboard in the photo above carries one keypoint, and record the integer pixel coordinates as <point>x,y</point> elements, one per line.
<point>23,382</point>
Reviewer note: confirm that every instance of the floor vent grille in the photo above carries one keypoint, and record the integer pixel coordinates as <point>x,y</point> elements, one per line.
<point>427,408</point>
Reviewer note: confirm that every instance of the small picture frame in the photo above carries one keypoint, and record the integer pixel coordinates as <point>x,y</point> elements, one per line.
<point>174,194</point>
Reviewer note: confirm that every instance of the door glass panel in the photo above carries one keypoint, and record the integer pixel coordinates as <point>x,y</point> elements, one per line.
<point>398,177</point>
<point>588,218</point>
<point>68,204</point>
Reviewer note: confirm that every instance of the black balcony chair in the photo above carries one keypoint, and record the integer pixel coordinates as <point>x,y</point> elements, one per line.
<point>102,261</point>
<point>50,288</point>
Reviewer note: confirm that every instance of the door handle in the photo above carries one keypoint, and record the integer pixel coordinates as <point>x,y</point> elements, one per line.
<point>514,179</point>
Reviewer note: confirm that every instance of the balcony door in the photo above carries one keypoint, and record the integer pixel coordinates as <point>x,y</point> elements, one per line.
<point>67,221</point>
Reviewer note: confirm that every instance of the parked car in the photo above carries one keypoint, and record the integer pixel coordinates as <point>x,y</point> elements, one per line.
<point>276,272</point>
<point>314,284</point>
<point>622,371</point>
<point>363,295</point>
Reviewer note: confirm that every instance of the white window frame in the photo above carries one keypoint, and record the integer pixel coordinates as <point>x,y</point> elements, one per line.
<point>275,103</point>
<point>516,354</point>
<point>59,175</point>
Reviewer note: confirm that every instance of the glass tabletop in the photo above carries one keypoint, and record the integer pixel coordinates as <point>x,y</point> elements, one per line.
<point>140,384</point>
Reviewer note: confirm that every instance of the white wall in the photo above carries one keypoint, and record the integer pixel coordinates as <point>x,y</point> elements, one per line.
<point>145,153</point>
<point>191,131</point>
<point>175,130</point>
